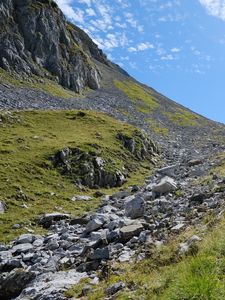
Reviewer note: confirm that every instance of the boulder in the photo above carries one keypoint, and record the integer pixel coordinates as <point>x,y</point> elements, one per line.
<point>13,283</point>
<point>165,186</point>
<point>135,208</point>
<point>94,224</point>
<point>100,253</point>
<point>47,220</point>
<point>22,248</point>
<point>25,239</point>
<point>127,232</point>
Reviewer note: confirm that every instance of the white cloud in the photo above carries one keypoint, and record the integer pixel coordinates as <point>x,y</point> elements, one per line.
<point>214,8</point>
<point>87,2</point>
<point>167,57</point>
<point>90,12</point>
<point>141,47</point>
<point>175,50</point>
<point>76,15</point>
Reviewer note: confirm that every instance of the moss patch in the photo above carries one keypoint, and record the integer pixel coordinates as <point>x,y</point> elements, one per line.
<point>143,100</point>
<point>28,177</point>
<point>183,118</point>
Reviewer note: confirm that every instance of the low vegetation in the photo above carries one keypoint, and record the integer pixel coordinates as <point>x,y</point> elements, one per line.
<point>30,185</point>
<point>183,117</point>
<point>143,100</point>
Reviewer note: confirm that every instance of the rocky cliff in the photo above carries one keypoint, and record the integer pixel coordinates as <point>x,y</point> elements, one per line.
<point>36,40</point>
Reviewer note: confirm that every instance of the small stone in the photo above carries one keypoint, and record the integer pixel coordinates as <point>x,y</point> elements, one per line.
<point>2,207</point>
<point>114,288</point>
<point>16,226</point>
<point>177,228</point>
<point>81,198</point>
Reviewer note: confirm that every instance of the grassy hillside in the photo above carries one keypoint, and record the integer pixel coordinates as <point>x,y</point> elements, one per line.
<point>27,176</point>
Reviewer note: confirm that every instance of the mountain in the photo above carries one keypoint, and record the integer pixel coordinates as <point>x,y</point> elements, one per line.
<point>48,59</point>
<point>107,188</point>
<point>37,40</point>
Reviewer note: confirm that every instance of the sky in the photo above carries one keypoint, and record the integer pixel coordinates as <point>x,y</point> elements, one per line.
<point>175,46</point>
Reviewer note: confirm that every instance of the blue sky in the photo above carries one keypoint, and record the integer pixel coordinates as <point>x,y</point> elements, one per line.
<point>174,46</point>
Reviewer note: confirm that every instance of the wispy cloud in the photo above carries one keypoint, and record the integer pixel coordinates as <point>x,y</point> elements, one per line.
<point>74,14</point>
<point>214,8</point>
<point>141,47</point>
<point>175,50</point>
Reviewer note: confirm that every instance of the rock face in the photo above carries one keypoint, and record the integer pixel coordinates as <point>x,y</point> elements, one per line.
<point>139,145</point>
<point>36,39</point>
<point>87,168</point>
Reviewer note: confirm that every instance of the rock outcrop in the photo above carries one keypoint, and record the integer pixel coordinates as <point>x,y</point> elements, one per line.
<point>87,168</point>
<point>36,41</point>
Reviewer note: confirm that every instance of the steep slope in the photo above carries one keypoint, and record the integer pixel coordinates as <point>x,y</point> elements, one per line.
<point>36,40</point>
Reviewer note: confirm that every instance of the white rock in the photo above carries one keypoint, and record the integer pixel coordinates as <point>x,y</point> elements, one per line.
<point>165,186</point>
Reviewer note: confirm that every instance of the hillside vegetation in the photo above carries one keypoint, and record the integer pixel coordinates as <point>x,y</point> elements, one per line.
<point>30,185</point>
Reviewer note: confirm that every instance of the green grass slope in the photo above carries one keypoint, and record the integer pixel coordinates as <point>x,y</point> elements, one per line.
<point>27,176</point>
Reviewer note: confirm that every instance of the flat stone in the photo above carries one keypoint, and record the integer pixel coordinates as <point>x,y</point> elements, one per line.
<point>93,225</point>
<point>178,228</point>
<point>81,198</point>
<point>47,220</point>
<point>168,170</point>
<point>100,253</point>
<point>25,238</point>
<point>21,248</point>
<point>127,232</point>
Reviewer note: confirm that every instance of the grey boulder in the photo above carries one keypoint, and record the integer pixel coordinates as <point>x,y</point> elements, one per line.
<point>165,186</point>
<point>135,208</point>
